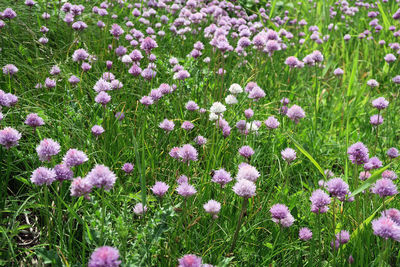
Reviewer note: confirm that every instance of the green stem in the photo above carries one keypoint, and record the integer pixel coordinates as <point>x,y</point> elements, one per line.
<point>235,236</point>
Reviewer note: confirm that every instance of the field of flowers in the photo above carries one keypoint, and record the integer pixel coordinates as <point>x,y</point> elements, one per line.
<point>199,133</point>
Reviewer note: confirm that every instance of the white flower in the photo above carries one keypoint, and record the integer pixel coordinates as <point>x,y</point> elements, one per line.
<point>251,126</point>
<point>213,116</point>
<point>217,108</point>
<point>235,89</point>
<point>231,100</point>
<point>126,59</point>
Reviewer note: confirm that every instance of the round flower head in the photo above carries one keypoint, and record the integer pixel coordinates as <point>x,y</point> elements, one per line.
<point>292,61</point>
<point>246,151</point>
<point>10,69</point>
<point>380,103</point>
<point>200,140</point>
<point>139,209</point>
<point>231,100</point>
<point>373,163</point>
<point>74,157</point>
<point>343,237</point>
<point>101,176</point>
<point>116,30</point>
<point>305,234</point>
<point>192,106</point>
<point>187,125</point>
<point>248,113</point>
<point>221,177</point>
<point>392,153</point>
<point>43,175</point>
<point>288,154</point>
<point>105,257</point>
<point>190,260</point>
<point>167,125</point>
<point>217,108</point>
<point>81,187</point>
<point>148,44</point>
<point>73,80</point>
<point>337,188</point>
<point>358,153</point>
<point>279,211</point>
<point>174,152</point>
<point>319,201</point>
<point>389,58</point>
<point>187,153</point>
<point>183,179</point>
<point>159,189</point>
<point>376,119</point>
<point>80,55</point>
<point>393,214</point>
<point>386,228</point>
<point>271,123</point>
<point>212,207</point>
<point>295,113</point>
<point>338,72</point>
<point>389,175</point>
<point>127,167</point>
<point>364,175</point>
<point>34,120</point>
<point>97,130</point>
<point>235,89</point>
<point>9,137</point>
<point>247,172</point>
<point>46,149</point>
<point>257,93</point>
<point>63,172</point>
<point>186,190</point>
<point>384,187</point>
<point>372,83</point>
<point>244,188</point>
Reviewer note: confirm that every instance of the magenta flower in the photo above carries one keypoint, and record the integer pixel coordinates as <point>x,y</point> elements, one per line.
<point>74,157</point>
<point>186,190</point>
<point>305,234</point>
<point>9,137</point>
<point>105,257</point>
<point>187,153</point>
<point>159,189</point>
<point>43,175</point>
<point>81,187</point>
<point>190,260</point>
<point>47,148</point>
<point>102,177</point>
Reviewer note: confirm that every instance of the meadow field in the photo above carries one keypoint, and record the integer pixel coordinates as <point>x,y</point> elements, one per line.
<point>199,133</point>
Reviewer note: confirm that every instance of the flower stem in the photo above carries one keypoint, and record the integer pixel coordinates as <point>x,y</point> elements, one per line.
<point>235,236</point>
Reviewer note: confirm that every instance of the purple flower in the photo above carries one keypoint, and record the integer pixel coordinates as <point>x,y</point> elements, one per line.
<point>102,85</point>
<point>97,130</point>
<point>73,80</point>
<point>191,106</point>
<point>271,123</point>
<point>292,61</point>
<point>105,257</point>
<point>127,167</point>
<point>372,83</point>
<point>384,187</point>
<point>248,113</point>
<point>295,113</point>
<point>8,13</point>
<point>187,125</point>
<point>221,177</point>
<point>386,228</point>
<point>338,72</point>
<point>305,234</point>
<point>81,187</point>
<point>148,44</point>
<point>159,189</point>
<point>389,175</point>
<point>63,172</point>
<point>167,125</point>
<point>288,154</point>
<point>200,140</point>
<point>181,75</point>
<point>392,153</point>
<point>373,163</point>
<point>47,148</point>
<point>244,188</point>
<point>358,153</point>
<point>101,176</point>
<point>43,175</point>
<point>34,120</point>
<point>343,237</point>
<point>247,172</point>
<point>256,93</point>
<point>139,209</point>
<point>9,137</point>
<point>74,157</point>
<point>186,190</point>
<point>319,201</point>
<point>102,98</point>
<point>146,100</point>
<point>190,260</point>
<point>80,55</point>
<point>183,179</point>
<point>116,30</point>
<point>148,74</point>
<point>364,175</point>
<point>393,214</point>
<point>246,151</point>
<point>10,69</point>
<point>390,58</point>
<point>212,207</point>
<point>337,188</point>
<point>187,152</point>
<point>279,211</point>
<point>50,83</point>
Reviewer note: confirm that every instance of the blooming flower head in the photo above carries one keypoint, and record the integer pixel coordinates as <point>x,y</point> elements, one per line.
<point>305,234</point>
<point>246,151</point>
<point>102,98</point>
<point>288,154</point>
<point>9,137</point>
<point>187,125</point>
<point>393,214</point>
<point>212,207</point>
<point>187,153</point>
<point>386,228</point>
<point>217,108</point>
<point>384,187</point>
<point>364,175</point>
<point>244,188</point>
<point>101,176</point>
<point>97,130</point>
<point>392,153</point>
<point>81,187</point>
<point>358,153</point>
<point>74,157</point>
<point>167,125</point>
<point>105,257</point>
<point>127,167</point>
<point>47,148</point>
<point>343,237</point>
<point>319,201</point>
<point>186,190</point>
<point>389,175</point>
<point>80,55</point>
<point>256,93</point>
<point>279,211</point>
<point>63,172</point>
<point>337,188</point>
<point>372,83</point>
<point>221,177</point>
<point>200,140</point>
<point>148,44</point>
<point>247,172</point>
<point>116,30</point>
<point>380,103</point>
<point>295,113</point>
<point>235,89</point>
<point>43,175</point>
<point>192,106</point>
<point>159,189</point>
<point>376,119</point>
<point>190,260</point>
<point>271,123</point>
<point>139,209</point>
<point>34,120</point>
<point>10,69</point>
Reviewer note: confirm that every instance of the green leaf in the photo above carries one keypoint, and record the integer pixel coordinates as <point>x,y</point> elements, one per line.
<point>371,180</point>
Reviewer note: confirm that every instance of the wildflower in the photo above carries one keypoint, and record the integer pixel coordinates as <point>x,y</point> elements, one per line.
<point>281,215</point>
<point>380,103</point>
<point>244,188</point>
<point>200,140</point>
<point>337,188</point>
<point>389,175</point>
<point>221,177</point>
<point>102,85</point>
<point>288,154</point>
<point>271,123</point>
<point>364,175</point>
<point>139,209</point>
<point>384,187</point>
<point>191,106</point>
<point>217,108</point>
<point>212,207</point>
<point>256,93</point>
<point>246,151</point>
<point>386,228</point>
<point>305,234</point>
<point>81,187</point>
<point>101,176</point>
<point>187,153</point>
<point>9,137</point>
<point>102,98</point>
<point>393,214</point>
<point>247,172</point>
<point>358,153</point>
<point>159,189</point>
<point>80,55</point>
<point>187,125</point>
<point>295,113</point>
<point>116,30</point>
<point>10,69</point>
<point>63,172</point>
<point>235,89</point>
<point>167,125</point>
<point>338,72</point>
<point>97,130</point>
<point>186,190</point>
<point>50,83</point>
<point>372,83</point>
<point>248,113</point>
<point>43,175</point>
<point>105,257</point>
<point>47,148</point>
<point>319,201</point>
<point>190,260</point>
<point>127,167</point>
<point>231,100</point>
<point>376,120</point>
<point>174,152</point>
<point>392,153</point>
<point>74,157</point>
<point>183,179</point>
